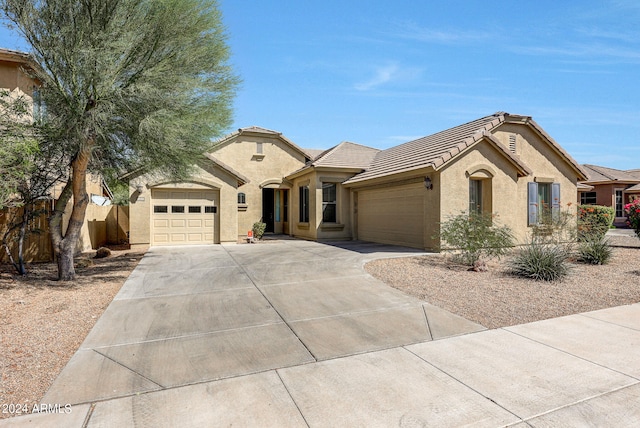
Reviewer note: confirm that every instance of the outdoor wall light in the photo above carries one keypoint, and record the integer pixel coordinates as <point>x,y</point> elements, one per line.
<point>427,183</point>
<point>140,188</point>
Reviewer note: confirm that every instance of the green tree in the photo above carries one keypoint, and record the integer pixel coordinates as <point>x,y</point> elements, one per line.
<point>17,145</point>
<point>126,84</point>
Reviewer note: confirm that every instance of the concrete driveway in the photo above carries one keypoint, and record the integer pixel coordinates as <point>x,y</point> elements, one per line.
<point>195,314</point>
<point>295,333</point>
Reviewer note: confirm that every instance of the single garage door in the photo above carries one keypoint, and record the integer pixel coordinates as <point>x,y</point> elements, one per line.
<point>183,217</point>
<point>392,215</point>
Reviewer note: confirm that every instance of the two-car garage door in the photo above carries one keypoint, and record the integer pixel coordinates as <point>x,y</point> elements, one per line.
<point>183,217</point>
<point>392,215</point>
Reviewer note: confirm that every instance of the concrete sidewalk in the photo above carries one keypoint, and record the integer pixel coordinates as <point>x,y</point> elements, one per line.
<point>295,333</point>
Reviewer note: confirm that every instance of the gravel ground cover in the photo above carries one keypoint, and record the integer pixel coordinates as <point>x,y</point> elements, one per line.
<point>43,322</point>
<point>497,299</point>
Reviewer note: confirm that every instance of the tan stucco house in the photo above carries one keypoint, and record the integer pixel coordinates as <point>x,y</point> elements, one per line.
<point>609,187</point>
<point>502,163</point>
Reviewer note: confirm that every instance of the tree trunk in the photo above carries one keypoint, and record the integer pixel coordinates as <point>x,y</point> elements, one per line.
<point>64,246</point>
<point>26,212</point>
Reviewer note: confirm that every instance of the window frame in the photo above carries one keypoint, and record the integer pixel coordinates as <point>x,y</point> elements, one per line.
<point>327,218</point>
<point>584,198</point>
<point>476,203</point>
<point>242,198</point>
<point>303,212</point>
<point>535,217</point>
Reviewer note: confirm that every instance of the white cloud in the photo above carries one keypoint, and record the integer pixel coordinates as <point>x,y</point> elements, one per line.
<point>412,31</point>
<point>382,75</point>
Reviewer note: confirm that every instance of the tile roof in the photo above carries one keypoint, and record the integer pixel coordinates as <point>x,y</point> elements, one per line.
<point>584,187</point>
<point>346,155</point>
<point>600,174</point>
<point>437,149</point>
<point>635,188</point>
<point>314,153</point>
<point>634,172</point>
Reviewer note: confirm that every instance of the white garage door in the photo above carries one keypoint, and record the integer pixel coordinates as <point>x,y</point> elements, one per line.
<point>392,215</point>
<point>183,217</point>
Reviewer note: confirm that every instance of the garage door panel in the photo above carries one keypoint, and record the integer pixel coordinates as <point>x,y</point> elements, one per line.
<point>187,224</point>
<point>159,223</point>
<point>178,223</point>
<point>393,215</point>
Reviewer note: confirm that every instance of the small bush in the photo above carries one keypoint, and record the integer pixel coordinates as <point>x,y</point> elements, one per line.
<point>595,251</point>
<point>542,262</point>
<point>477,237</point>
<point>102,252</point>
<point>258,229</point>
<point>594,221</point>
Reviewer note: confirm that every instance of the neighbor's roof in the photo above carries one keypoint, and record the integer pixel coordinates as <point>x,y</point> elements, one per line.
<point>602,174</point>
<point>635,188</point>
<point>438,149</point>
<point>15,56</point>
<point>584,187</point>
<point>259,130</point>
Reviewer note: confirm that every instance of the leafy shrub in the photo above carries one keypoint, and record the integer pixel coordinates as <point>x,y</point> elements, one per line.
<point>594,221</point>
<point>595,251</point>
<point>633,215</point>
<point>558,227</point>
<point>542,262</point>
<point>476,236</point>
<point>258,229</point>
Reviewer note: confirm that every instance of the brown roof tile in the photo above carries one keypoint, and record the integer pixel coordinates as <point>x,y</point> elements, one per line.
<point>437,149</point>
<point>346,155</point>
<point>602,174</point>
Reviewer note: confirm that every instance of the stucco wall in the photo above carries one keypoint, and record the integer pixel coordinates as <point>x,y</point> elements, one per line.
<point>11,78</point>
<point>545,163</point>
<point>506,200</point>
<point>140,204</point>
<point>315,228</point>
<point>265,170</point>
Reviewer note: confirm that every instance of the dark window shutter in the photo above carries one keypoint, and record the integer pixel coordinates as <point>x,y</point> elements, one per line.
<point>532,190</point>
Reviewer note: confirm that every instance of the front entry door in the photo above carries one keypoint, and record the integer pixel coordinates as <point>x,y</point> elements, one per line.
<point>268,199</point>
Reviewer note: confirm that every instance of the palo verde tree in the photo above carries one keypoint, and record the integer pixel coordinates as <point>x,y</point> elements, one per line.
<point>17,145</point>
<point>126,84</point>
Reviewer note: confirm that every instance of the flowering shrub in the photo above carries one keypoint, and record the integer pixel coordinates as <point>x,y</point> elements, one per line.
<point>594,221</point>
<point>632,210</point>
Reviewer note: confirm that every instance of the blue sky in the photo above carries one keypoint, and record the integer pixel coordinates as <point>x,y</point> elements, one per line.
<point>380,73</point>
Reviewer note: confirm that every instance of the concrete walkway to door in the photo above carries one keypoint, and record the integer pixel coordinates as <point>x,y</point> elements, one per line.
<point>295,333</point>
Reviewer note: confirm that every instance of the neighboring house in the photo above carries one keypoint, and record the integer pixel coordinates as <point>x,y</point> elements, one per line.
<point>14,76</point>
<point>504,164</point>
<point>609,187</point>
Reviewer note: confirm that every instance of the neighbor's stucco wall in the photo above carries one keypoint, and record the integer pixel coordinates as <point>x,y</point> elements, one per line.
<point>265,170</point>
<point>12,78</point>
